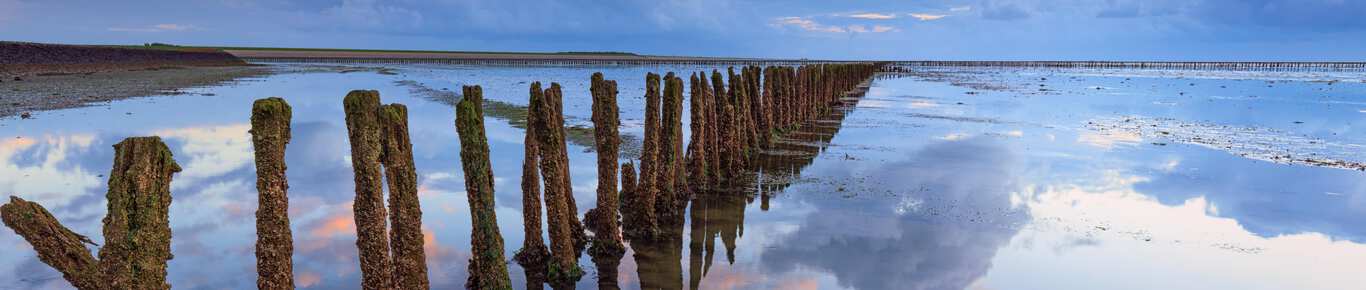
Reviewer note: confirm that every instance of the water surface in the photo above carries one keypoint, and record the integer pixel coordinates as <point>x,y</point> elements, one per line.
<point>945,179</point>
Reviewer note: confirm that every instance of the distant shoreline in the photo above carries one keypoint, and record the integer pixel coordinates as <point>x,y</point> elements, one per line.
<point>20,59</point>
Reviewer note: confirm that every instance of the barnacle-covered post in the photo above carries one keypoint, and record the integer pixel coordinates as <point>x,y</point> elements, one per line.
<point>697,151</point>
<point>270,120</point>
<point>534,255</point>
<point>363,127</point>
<point>562,215</point>
<point>668,164</point>
<point>607,248</point>
<point>137,229</point>
<point>488,269</point>
<point>642,209</point>
<point>405,212</point>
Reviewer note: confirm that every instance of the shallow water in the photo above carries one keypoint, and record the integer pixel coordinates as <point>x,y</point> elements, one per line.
<point>956,179</point>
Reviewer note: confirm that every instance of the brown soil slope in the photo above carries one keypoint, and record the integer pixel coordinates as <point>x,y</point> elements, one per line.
<point>24,58</point>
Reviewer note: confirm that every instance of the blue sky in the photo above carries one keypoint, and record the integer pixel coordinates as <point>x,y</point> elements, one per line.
<point>933,29</point>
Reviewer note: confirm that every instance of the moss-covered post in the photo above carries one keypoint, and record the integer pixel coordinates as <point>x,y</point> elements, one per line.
<point>137,229</point>
<point>270,120</point>
<point>628,180</point>
<point>534,254</point>
<point>564,268</point>
<point>669,162</point>
<point>765,112</point>
<point>405,212</point>
<point>56,245</point>
<point>643,211</point>
<point>363,128</point>
<point>716,104</point>
<point>488,269</point>
<point>607,248</point>
<point>697,151</point>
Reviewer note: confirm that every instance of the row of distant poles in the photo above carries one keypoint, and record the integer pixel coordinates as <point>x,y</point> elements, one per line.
<point>730,124</point>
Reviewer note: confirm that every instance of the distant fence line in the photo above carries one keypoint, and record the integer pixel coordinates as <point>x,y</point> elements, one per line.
<point>542,62</point>
<point>1159,65</point>
<point>894,65</point>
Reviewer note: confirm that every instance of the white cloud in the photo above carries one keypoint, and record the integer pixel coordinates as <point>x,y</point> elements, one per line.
<point>873,16</point>
<point>927,17</point>
<point>813,26</point>
<point>961,9</point>
<point>807,24</point>
<point>165,27</point>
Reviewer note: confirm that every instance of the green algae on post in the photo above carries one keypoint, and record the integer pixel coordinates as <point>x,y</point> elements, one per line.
<point>533,255</point>
<point>405,212</point>
<point>566,232</point>
<point>669,160</point>
<point>697,151</point>
<point>137,229</point>
<point>270,133</point>
<point>487,268</point>
<point>363,128</point>
<point>607,248</point>
<point>641,213</point>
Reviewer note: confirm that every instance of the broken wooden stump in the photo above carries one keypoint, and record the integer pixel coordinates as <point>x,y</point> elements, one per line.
<point>137,229</point>
<point>270,133</point>
<point>487,268</point>
<point>405,211</point>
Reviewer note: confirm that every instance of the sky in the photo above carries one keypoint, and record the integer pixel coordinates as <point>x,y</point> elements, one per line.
<point>1315,30</point>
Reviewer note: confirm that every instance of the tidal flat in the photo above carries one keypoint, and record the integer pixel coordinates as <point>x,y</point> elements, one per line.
<point>939,178</point>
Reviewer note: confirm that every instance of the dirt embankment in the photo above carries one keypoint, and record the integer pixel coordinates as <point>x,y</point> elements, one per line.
<point>19,59</point>
<point>36,77</point>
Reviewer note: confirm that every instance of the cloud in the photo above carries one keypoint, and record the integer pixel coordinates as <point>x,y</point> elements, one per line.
<point>924,242</point>
<point>155,28</point>
<point>807,24</point>
<point>813,26</point>
<point>927,17</point>
<point>873,16</point>
<point>961,9</point>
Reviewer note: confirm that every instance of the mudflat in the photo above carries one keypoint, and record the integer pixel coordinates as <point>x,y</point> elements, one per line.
<point>40,76</point>
<point>20,95</point>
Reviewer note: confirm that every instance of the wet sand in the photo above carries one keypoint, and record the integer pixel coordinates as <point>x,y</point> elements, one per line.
<point>22,95</point>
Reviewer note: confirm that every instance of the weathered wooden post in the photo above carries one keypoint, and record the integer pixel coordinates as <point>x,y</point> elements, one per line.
<point>697,151</point>
<point>270,126</point>
<point>564,268</point>
<point>718,130</point>
<point>137,229</point>
<point>534,254</point>
<point>488,270</point>
<point>669,163</point>
<point>363,127</point>
<point>607,248</point>
<point>643,209</point>
<point>405,212</point>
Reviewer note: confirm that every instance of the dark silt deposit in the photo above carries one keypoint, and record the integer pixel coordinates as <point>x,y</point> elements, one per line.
<point>818,176</point>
